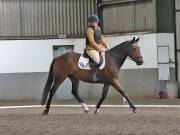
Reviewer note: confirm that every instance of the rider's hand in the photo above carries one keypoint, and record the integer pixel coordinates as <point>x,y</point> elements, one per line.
<point>106,49</point>
<point>103,50</point>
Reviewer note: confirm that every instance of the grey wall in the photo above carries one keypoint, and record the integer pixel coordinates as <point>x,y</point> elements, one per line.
<point>136,82</point>
<point>128,16</point>
<point>30,85</point>
<point>27,86</point>
<point>44,18</point>
<point>177,15</point>
<point>22,85</point>
<point>141,82</point>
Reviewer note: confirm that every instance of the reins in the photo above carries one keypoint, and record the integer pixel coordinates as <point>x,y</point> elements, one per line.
<point>123,56</point>
<point>120,56</point>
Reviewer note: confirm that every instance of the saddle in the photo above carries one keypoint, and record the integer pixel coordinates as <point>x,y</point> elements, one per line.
<point>84,61</point>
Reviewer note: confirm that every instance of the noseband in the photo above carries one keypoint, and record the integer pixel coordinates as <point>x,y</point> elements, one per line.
<point>130,53</point>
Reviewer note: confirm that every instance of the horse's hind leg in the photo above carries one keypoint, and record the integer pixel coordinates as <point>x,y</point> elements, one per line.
<point>116,85</point>
<point>104,94</point>
<point>75,86</point>
<point>55,85</point>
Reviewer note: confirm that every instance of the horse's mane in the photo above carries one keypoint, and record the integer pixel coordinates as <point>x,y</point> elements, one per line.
<point>119,46</point>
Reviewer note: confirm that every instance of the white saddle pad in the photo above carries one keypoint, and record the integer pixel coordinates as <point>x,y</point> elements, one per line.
<point>84,63</point>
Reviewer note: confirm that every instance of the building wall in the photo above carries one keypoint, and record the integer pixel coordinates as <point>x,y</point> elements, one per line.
<point>25,64</point>
<point>35,55</point>
<point>135,82</point>
<point>144,81</point>
<point>27,86</point>
<point>165,16</point>
<point>177,18</point>
<point>44,18</point>
<point>132,16</point>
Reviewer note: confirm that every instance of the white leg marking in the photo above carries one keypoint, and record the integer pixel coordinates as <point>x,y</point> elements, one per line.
<point>85,107</point>
<point>96,111</point>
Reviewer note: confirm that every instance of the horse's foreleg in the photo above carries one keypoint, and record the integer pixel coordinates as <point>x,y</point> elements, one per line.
<point>116,85</point>
<point>104,94</point>
<point>75,86</point>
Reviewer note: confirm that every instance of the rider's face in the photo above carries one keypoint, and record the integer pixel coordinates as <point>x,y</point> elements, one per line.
<point>94,24</point>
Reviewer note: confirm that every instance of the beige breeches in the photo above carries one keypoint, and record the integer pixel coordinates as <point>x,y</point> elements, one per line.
<point>94,55</point>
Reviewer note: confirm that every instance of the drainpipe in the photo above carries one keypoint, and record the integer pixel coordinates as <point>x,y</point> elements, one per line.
<point>175,48</point>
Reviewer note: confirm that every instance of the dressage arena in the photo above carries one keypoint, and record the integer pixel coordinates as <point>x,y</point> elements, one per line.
<point>143,42</point>
<point>71,120</point>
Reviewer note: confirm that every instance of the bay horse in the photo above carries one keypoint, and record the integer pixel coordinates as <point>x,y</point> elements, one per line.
<point>66,65</point>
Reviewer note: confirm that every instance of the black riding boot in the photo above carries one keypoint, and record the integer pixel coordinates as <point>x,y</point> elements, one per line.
<point>94,68</point>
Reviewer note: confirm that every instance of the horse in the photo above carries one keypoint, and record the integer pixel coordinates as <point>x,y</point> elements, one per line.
<point>66,66</point>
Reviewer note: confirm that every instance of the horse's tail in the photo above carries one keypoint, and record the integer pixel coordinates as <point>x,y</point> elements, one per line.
<point>48,84</point>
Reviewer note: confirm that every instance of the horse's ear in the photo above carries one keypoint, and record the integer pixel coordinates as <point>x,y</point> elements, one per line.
<point>133,40</point>
<point>137,40</point>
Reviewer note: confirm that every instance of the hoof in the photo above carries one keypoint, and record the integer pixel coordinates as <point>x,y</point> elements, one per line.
<point>86,111</point>
<point>134,109</point>
<point>96,111</point>
<point>85,107</point>
<point>45,112</point>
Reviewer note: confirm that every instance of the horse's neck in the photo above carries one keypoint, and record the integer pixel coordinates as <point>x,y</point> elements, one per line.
<point>120,62</point>
<point>120,55</point>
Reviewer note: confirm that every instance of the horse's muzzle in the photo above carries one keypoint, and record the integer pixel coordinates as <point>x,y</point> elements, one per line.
<point>139,61</point>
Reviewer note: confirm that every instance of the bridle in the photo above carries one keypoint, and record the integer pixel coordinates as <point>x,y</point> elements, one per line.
<point>122,57</point>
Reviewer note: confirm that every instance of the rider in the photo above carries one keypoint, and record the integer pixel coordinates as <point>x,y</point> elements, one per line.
<point>95,44</point>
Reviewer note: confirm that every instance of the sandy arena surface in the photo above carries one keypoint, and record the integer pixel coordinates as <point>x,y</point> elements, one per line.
<point>73,121</point>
